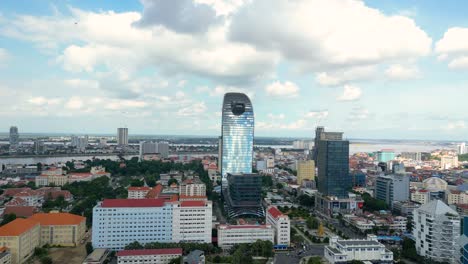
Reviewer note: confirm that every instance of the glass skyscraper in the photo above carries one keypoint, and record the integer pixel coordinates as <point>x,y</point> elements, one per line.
<point>237,135</point>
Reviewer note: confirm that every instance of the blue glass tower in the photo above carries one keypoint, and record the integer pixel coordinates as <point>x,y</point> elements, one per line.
<point>237,132</point>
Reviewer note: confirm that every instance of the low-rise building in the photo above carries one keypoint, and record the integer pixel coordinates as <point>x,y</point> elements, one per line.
<point>192,188</point>
<point>21,236</point>
<point>138,192</point>
<point>230,235</point>
<point>5,255</point>
<point>98,256</point>
<point>456,197</point>
<point>281,225</point>
<point>148,256</point>
<point>343,251</point>
<point>60,229</point>
<point>420,196</point>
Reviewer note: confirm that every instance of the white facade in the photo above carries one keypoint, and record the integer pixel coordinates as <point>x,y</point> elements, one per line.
<point>342,251</point>
<point>420,196</point>
<point>148,256</point>
<point>192,189</point>
<point>138,192</point>
<point>447,162</point>
<point>457,197</point>
<point>230,235</point>
<point>461,148</point>
<point>192,221</point>
<point>122,136</point>
<point>281,225</point>
<point>436,230</point>
<point>270,162</point>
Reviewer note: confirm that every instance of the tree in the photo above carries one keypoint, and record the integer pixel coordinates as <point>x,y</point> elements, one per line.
<point>134,245</point>
<point>171,181</point>
<point>306,200</point>
<point>7,219</point>
<point>89,248</point>
<point>279,186</point>
<point>312,223</point>
<point>177,260</point>
<point>409,224</point>
<point>46,260</point>
<point>315,260</point>
<point>137,183</point>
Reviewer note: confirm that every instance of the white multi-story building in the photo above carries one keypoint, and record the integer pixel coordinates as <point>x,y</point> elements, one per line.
<point>420,196</point>
<point>192,221</point>
<point>398,224</point>
<point>436,230</point>
<point>230,235</point>
<point>281,225</point>
<point>192,188</point>
<point>138,192</point>
<point>270,162</point>
<point>119,222</point>
<point>148,256</point>
<point>342,251</point>
<point>122,136</point>
<point>456,197</point>
<point>447,162</point>
<point>461,148</point>
<point>148,148</point>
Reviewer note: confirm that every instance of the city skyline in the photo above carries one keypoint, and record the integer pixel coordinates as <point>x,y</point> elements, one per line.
<point>167,74</point>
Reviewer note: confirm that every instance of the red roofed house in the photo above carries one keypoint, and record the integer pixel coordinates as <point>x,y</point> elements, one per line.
<point>61,229</point>
<point>159,256</point>
<point>20,211</point>
<point>21,236</point>
<point>281,225</point>
<point>155,192</point>
<point>32,197</point>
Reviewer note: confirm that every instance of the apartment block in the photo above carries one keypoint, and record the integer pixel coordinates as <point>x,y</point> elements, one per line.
<point>21,236</point>
<point>230,235</point>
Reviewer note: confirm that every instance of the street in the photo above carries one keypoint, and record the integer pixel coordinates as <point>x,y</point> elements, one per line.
<point>293,257</point>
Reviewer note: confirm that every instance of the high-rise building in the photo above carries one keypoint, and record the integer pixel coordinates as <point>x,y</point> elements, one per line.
<point>318,132</point>
<point>437,230</point>
<point>305,171</point>
<point>148,148</point>
<point>237,135</point>
<point>122,136</point>
<point>244,195</point>
<point>385,155</point>
<point>38,147</point>
<point>461,148</point>
<point>14,138</point>
<point>411,156</point>
<point>163,149</point>
<point>334,178</point>
<point>281,224</point>
<point>80,143</point>
<point>463,243</point>
<point>392,188</point>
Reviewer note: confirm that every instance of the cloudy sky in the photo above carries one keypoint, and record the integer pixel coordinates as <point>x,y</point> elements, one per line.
<point>373,69</point>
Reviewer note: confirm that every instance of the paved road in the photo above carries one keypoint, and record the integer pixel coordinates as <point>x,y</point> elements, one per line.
<point>293,257</point>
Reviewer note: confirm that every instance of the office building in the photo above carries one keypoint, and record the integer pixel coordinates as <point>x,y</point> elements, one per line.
<point>391,188</point>
<point>385,155</point>
<point>448,162</point>
<point>148,256</point>
<point>463,243</point>
<point>366,250</point>
<point>237,135</point>
<point>60,229</point>
<point>334,178</point>
<point>21,236</point>
<point>436,230</point>
<point>191,221</point>
<point>305,170</point>
<point>411,156</point>
<point>230,235</point>
<point>244,195</point>
<point>14,137</point>
<point>122,136</point>
<point>318,132</point>
<point>280,224</point>
<point>359,179</point>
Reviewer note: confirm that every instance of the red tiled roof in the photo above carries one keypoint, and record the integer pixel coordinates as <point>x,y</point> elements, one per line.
<point>144,188</point>
<point>273,211</point>
<point>26,193</point>
<point>58,219</point>
<point>17,227</point>
<point>13,191</point>
<point>244,226</point>
<point>132,203</point>
<point>56,194</point>
<point>196,197</point>
<point>20,211</point>
<point>154,193</point>
<point>143,252</point>
<point>17,201</point>
<point>192,203</point>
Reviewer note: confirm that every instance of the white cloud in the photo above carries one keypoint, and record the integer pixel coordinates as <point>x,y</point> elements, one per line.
<point>276,117</point>
<point>74,103</point>
<point>346,75</point>
<point>220,90</point>
<point>317,114</point>
<point>42,101</point>
<point>4,56</point>
<point>181,83</point>
<point>401,72</point>
<point>454,47</point>
<point>193,110</point>
<point>350,93</point>
<point>359,113</point>
<point>455,125</point>
<point>285,90</point>
<point>329,34</point>
<point>82,83</point>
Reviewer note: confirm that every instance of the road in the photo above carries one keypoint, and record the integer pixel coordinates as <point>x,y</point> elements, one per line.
<point>293,257</point>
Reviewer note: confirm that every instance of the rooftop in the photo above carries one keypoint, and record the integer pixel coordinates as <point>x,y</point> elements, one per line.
<point>17,227</point>
<point>244,226</point>
<point>192,203</point>
<point>273,211</point>
<point>351,243</point>
<point>144,188</point>
<point>142,252</point>
<point>58,219</point>
<point>110,203</point>
<point>436,207</point>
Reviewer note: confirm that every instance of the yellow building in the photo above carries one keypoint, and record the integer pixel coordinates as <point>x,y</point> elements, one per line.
<point>60,229</point>
<point>58,180</point>
<point>21,236</point>
<point>305,170</point>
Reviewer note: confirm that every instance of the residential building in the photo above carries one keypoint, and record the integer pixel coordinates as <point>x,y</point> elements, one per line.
<point>122,136</point>
<point>416,156</point>
<point>148,256</point>
<point>280,224</point>
<point>334,178</point>
<point>305,170</point>
<point>385,155</point>
<point>138,192</point>
<point>147,147</point>
<point>436,230</point>
<point>21,236</point>
<point>420,196</point>
<point>448,162</point>
<point>60,229</point>
<point>270,162</point>
<point>237,135</point>
<point>119,222</point>
<point>463,243</point>
<point>165,177</point>
<point>80,143</point>
<point>456,197</point>
<point>230,235</point>
<point>365,250</point>
<point>98,256</point>
<point>391,188</point>
<point>461,148</point>
<point>5,255</point>
<point>244,195</point>
<point>192,187</point>
<point>191,221</point>
<point>14,138</point>
<point>163,149</point>
<point>405,208</point>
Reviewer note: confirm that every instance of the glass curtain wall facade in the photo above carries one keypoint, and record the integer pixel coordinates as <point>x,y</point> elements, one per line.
<point>334,178</point>
<point>237,135</point>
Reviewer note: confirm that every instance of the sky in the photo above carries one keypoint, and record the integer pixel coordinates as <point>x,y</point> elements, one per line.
<point>385,69</point>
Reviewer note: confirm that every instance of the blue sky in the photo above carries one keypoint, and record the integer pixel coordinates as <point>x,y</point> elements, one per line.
<point>373,69</point>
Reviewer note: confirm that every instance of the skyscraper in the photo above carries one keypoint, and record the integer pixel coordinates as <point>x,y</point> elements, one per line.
<point>334,178</point>
<point>244,195</point>
<point>237,135</point>
<point>14,137</point>
<point>122,136</point>
<point>305,170</point>
<point>391,188</point>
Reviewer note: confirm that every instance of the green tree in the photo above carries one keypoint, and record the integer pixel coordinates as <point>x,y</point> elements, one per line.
<point>89,248</point>
<point>7,219</point>
<point>176,260</point>
<point>306,200</point>
<point>315,260</point>
<point>312,222</point>
<point>137,183</point>
<point>279,186</point>
<point>409,224</point>
<point>171,181</point>
<point>134,245</point>
<point>242,255</point>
